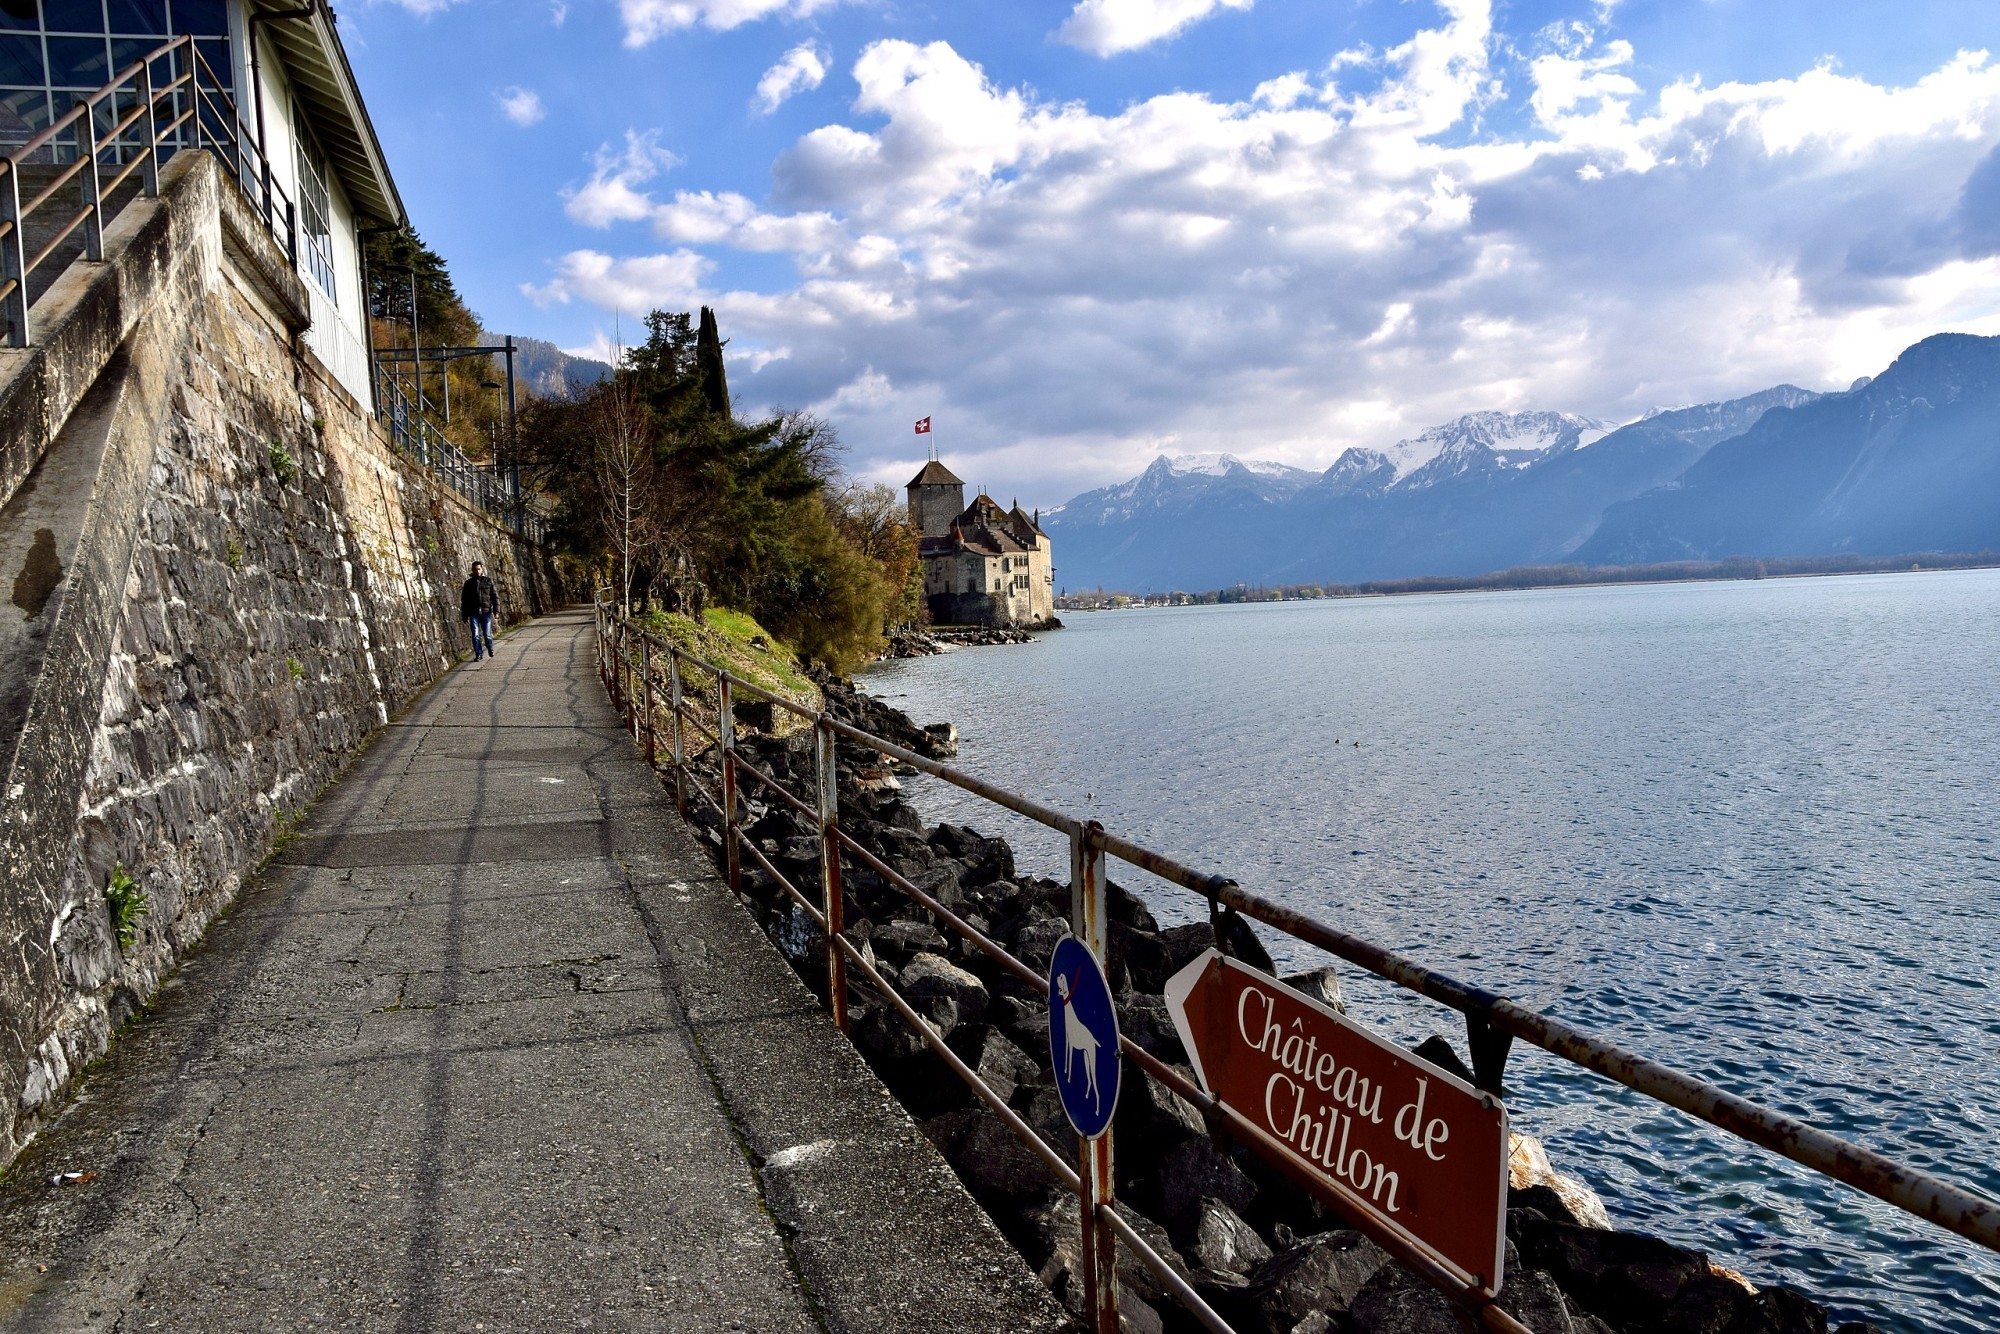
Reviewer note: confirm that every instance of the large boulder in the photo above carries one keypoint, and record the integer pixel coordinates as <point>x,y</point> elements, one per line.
<point>1053,1224</point>
<point>1004,1067</point>
<point>1217,1239</point>
<point>1239,941</point>
<point>988,1156</point>
<point>1195,1171</point>
<point>1528,1168</point>
<point>943,992</point>
<point>1629,1279</point>
<point>1321,1274</point>
<point>901,938</point>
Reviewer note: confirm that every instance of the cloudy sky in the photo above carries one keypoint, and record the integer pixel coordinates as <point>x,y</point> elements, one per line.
<point>1078,233</point>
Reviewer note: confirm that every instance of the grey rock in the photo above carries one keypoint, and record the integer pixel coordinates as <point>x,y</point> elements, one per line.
<point>943,992</point>
<point>1322,985</point>
<point>1195,1171</point>
<point>1325,1272</point>
<point>901,937</point>
<point>1220,1241</point>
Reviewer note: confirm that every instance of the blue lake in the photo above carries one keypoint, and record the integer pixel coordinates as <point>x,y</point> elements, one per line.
<point>1744,828</point>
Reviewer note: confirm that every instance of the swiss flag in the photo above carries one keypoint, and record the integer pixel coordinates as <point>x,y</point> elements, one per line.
<point>924,426</point>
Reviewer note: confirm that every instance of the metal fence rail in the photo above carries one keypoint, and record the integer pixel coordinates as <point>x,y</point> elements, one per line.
<point>99,150</point>
<point>628,658</point>
<point>490,487</point>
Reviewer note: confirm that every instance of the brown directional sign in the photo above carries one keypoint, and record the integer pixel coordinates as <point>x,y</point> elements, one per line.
<point>1391,1135</point>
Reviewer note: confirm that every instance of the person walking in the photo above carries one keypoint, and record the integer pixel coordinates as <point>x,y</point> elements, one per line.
<point>479,603</point>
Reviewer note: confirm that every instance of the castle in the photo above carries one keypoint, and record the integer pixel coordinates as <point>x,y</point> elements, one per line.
<point>983,565</point>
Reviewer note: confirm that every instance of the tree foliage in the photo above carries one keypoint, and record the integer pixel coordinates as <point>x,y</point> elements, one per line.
<point>399,266</point>
<point>751,514</point>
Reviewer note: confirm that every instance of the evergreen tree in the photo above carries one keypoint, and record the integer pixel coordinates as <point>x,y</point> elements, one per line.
<point>708,361</point>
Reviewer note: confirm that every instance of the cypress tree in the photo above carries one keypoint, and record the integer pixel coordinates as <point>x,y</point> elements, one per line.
<point>708,365</point>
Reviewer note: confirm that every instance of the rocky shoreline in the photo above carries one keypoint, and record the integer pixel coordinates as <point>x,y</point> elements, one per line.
<point>944,638</point>
<point>1262,1251</point>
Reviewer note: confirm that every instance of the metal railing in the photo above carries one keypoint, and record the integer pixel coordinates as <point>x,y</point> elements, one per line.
<point>96,160</point>
<point>491,487</point>
<point>627,658</point>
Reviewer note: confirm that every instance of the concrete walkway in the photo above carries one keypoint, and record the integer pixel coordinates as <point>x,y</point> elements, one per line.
<point>489,1047</point>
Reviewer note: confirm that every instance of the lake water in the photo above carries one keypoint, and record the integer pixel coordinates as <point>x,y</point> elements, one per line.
<point>1745,828</point>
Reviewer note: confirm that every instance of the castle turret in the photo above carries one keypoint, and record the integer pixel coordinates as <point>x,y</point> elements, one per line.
<point>936,498</point>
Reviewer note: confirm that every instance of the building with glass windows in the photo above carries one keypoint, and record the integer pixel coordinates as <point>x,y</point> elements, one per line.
<point>282,104</point>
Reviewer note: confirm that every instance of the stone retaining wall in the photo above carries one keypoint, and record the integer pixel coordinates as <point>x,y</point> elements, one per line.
<point>277,586</point>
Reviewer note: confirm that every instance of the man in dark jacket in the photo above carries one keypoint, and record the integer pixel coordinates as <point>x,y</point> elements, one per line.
<point>479,603</point>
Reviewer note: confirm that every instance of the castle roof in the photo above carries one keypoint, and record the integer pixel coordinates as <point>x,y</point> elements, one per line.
<point>935,474</point>
<point>987,530</point>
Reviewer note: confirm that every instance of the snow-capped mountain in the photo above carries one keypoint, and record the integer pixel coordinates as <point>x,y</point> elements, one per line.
<point>1172,486</point>
<point>1475,442</point>
<point>1218,465</point>
<point>1486,491</point>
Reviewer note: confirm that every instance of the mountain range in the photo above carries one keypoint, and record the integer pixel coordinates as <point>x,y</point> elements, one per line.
<point>1908,461</point>
<point>546,371</point>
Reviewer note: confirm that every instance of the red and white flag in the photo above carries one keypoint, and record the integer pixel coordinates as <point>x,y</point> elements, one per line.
<point>924,426</point>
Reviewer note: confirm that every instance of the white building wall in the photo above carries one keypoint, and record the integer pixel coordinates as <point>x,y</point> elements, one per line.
<point>336,336</point>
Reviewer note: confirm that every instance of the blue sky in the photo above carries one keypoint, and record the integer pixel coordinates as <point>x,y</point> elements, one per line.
<point>1082,233</point>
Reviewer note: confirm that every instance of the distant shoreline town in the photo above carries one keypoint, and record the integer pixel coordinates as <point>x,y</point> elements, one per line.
<point>1537,576</point>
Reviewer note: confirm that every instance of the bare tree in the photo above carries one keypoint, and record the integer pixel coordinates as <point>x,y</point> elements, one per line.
<point>620,431</point>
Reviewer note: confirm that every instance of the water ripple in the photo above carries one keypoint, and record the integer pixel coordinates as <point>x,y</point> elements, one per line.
<point>1744,828</point>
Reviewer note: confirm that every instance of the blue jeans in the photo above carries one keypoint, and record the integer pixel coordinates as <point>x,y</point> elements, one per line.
<point>482,635</point>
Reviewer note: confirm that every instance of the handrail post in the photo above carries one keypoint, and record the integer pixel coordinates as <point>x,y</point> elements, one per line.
<point>829,871</point>
<point>646,680</point>
<point>90,195</point>
<point>14,260</point>
<point>1089,924</point>
<point>725,731</point>
<point>149,175</point>
<point>680,753</point>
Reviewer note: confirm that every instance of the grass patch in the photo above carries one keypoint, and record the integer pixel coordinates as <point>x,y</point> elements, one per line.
<point>125,899</point>
<point>734,641</point>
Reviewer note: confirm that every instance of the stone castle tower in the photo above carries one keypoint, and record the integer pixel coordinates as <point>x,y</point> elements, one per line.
<point>983,565</point>
<point>936,498</point>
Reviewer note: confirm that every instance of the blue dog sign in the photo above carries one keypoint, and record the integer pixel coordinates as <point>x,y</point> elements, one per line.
<point>1083,1037</point>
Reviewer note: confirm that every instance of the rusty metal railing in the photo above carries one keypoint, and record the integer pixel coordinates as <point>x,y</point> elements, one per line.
<point>626,657</point>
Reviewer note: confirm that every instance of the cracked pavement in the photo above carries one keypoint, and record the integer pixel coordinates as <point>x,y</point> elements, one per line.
<point>488,1046</point>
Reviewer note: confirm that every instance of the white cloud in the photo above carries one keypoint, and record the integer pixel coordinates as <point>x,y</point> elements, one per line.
<point>646,20</point>
<point>612,194</point>
<point>799,70</point>
<point>523,106</point>
<point>1314,267</point>
<point>1107,27</point>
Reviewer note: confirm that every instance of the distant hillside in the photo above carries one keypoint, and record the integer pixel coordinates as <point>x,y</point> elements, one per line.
<point>1908,461</point>
<point>546,371</point>
<point>1491,490</point>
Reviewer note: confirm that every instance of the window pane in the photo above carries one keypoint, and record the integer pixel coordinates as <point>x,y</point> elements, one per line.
<point>142,16</point>
<point>21,59</point>
<point>73,15</point>
<point>18,13</point>
<point>24,113</point>
<point>203,18</point>
<point>78,62</point>
<point>127,51</point>
<point>220,73</point>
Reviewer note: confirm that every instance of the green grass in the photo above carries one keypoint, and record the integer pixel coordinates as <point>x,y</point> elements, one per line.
<point>126,901</point>
<point>735,642</point>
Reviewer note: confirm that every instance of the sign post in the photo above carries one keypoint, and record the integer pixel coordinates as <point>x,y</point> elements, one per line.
<point>1390,1136</point>
<point>1083,1045</point>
